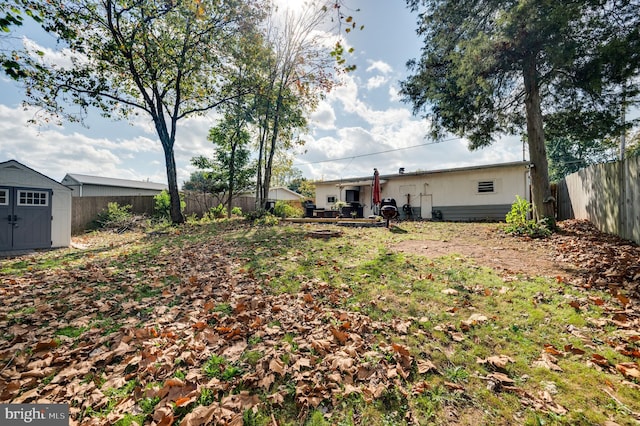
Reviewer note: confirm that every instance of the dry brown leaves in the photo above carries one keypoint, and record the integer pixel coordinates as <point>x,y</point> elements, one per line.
<point>165,317</point>
<point>331,354</point>
<point>607,263</point>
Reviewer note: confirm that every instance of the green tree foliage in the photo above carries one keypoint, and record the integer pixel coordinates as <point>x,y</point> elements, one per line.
<point>282,170</point>
<point>495,67</point>
<point>231,170</point>
<point>284,209</point>
<point>201,181</point>
<point>162,205</point>
<point>347,23</point>
<point>12,13</point>
<point>519,223</point>
<point>9,16</point>
<point>303,186</point>
<point>231,167</point>
<point>575,140</point>
<point>114,216</point>
<point>568,155</point>
<point>163,59</point>
<point>633,146</point>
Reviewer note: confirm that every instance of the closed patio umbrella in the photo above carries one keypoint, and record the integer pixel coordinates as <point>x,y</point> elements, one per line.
<point>376,191</point>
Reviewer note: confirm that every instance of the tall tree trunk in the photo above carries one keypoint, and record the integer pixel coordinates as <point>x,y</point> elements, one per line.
<point>542,199</point>
<point>232,174</point>
<point>272,148</point>
<point>172,181</point>
<point>167,140</point>
<point>260,167</point>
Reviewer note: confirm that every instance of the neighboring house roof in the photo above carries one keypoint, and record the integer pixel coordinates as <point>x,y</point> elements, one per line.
<point>369,179</point>
<point>79,179</point>
<point>274,191</point>
<point>13,164</point>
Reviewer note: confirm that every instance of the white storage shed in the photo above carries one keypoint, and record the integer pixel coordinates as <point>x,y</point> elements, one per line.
<point>35,210</point>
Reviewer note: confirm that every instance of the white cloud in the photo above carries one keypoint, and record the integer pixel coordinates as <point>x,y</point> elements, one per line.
<point>377,81</point>
<point>55,151</point>
<point>380,66</point>
<point>62,58</point>
<point>324,117</point>
<point>394,94</point>
<point>296,6</point>
<point>347,95</point>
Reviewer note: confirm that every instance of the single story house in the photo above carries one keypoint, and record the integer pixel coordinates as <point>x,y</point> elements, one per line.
<point>456,194</point>
<point>35,210</point>
<point>97,186</point>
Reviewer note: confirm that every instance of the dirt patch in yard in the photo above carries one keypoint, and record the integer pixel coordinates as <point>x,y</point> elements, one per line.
<point>577,253</point>
<point>487,245</point>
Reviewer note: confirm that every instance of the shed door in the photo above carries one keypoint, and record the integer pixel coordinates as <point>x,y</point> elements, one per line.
<point>426,204</point>
<point>6,212</point>
<point>25,218</point>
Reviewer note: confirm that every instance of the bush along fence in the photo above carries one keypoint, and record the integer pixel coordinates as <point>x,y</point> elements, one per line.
<point>85,210</point>
<point>608,195</point>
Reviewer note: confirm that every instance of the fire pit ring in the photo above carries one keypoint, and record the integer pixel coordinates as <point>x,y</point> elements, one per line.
<point>324,234</point>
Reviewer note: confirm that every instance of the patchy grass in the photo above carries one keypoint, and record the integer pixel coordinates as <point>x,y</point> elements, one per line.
<point>273,326</point>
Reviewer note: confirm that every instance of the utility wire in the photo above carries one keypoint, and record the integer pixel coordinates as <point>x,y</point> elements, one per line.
<point>379,152</point>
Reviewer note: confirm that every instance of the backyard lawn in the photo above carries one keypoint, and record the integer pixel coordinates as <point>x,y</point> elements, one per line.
<point>225,323</point>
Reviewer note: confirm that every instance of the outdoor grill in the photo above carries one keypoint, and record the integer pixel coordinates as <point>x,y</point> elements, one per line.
<point>388,209</point>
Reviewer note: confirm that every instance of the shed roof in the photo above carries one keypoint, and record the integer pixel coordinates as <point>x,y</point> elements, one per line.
<point>13,164</point>
<point>275,189</point>
<point>287,190</point>
<point>113,182</point>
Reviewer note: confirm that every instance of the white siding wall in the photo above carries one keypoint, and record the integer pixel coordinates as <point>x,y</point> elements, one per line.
<point>61,212</point>
<point>449,188</point>
<point>460,188</point>
<point>324,191</point>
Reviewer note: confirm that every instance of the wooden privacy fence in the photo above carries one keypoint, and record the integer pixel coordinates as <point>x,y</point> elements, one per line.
<point>85,210</point>
<point>608,195</point>
<point>199,203</point>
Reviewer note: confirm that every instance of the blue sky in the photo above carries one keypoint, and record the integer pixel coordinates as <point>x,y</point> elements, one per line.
<point>361,117</point>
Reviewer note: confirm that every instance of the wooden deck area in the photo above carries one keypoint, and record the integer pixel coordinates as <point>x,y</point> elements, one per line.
<point>340,221</point>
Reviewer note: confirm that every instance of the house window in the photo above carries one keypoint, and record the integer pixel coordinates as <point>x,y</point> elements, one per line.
<point>485,187</point>
<point>4,197</point>
<point>331,199</point>
<point>33,198</point>
<point>352,196</point>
